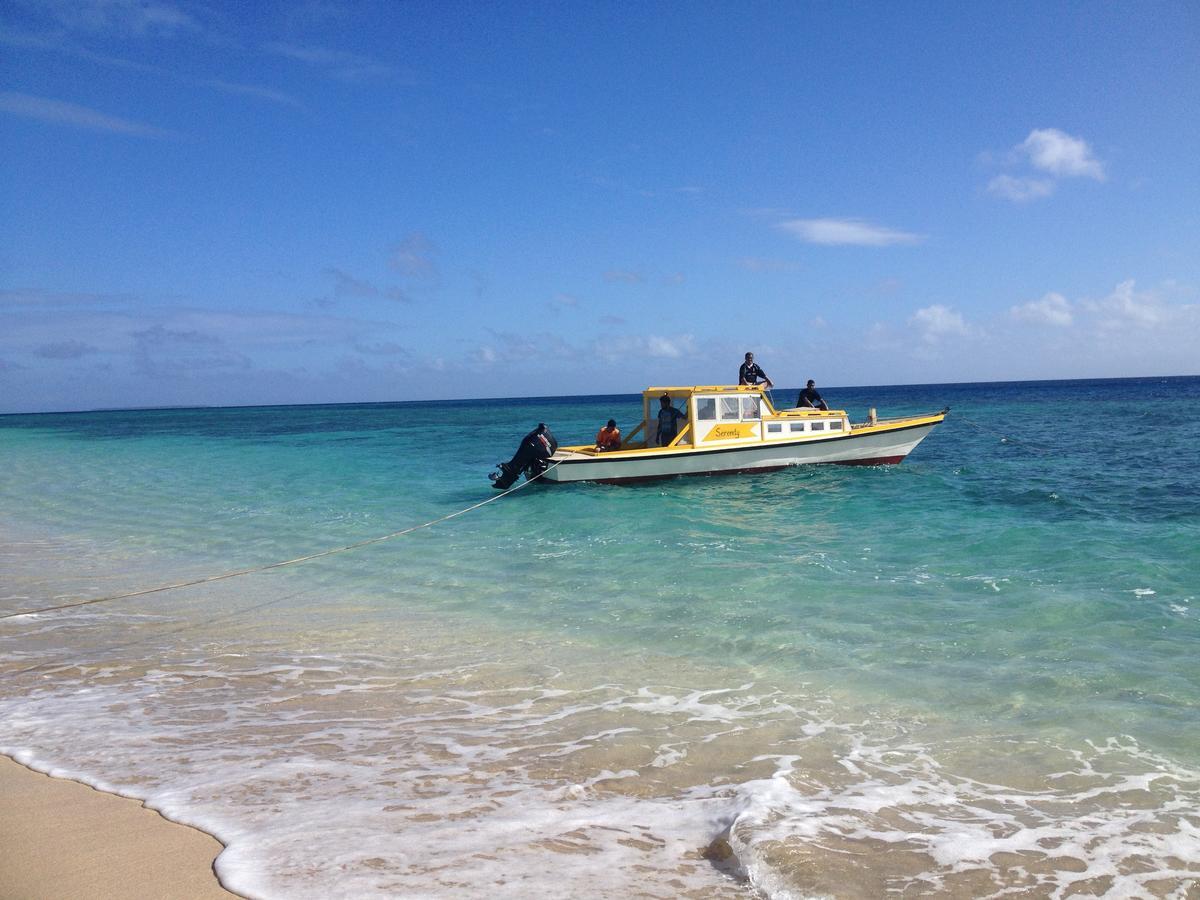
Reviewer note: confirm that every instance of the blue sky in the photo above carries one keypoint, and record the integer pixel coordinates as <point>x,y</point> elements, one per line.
<point>288,203</point>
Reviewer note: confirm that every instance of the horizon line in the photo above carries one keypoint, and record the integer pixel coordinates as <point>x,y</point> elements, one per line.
<point>181,407</point>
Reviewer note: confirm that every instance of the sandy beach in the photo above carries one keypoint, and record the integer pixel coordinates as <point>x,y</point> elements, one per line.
<point>65,839</point>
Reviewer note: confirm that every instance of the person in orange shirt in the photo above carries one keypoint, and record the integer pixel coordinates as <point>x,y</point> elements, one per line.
<point>609,437</point>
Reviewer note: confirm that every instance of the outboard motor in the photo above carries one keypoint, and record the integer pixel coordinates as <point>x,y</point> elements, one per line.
<point>532,458</point>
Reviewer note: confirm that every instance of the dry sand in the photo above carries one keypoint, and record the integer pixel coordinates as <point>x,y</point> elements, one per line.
<point>63,839</point>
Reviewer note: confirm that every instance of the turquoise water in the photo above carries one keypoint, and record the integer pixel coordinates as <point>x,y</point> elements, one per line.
<point>977,672</point>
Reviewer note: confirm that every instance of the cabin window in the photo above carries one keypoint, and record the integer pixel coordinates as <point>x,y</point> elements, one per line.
<point>818,426</point>
<point>797,426</point>
<point>729,409</point>
<point>750,407</point>
<point>706,409</point>
<point>835,426</point>
<point>774,427</point>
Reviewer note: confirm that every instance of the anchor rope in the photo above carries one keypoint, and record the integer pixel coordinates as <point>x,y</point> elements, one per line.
<point>278,565</point>
<point>1004,437</point>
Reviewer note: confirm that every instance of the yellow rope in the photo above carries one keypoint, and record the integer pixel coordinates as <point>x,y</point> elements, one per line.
<point>278,565</point>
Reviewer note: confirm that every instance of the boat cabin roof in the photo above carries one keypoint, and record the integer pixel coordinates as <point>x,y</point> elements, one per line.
<point>678,392</point>
<point>705,389</point>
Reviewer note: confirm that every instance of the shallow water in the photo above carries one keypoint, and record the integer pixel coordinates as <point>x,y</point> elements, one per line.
<point>977,673</point>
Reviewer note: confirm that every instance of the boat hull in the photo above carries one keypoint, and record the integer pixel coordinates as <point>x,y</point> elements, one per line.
<point>876,446</point>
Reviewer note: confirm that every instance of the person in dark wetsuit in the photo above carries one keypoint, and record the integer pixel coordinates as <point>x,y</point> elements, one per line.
<point>810,398</point>
<point>750,373</point>
<point>532,454</point>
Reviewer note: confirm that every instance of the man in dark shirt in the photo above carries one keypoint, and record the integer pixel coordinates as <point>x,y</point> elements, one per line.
<point>668,421</point>
<point>750,373</point>
<point>810,398</point>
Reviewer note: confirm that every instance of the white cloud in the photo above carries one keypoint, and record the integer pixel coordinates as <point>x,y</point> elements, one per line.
<point>534,349</point>
<point>62,113</point>
<point>1052,309</point>
<point>1020,189</point>
<point>937,322</point>
<point>847,232</point>
<point>1125,307</point>
<point>630,346</point>
<point>1061,154</point>
<point>668,348</point>
<point>1053,155</point>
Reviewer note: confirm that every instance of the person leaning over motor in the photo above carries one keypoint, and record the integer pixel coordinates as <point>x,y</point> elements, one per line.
<point>750,373</point>
<point>810,398</point>
<point>609,437</point>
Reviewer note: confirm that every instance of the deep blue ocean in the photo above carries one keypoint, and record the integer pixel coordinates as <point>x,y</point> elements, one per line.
<point>975,673</point>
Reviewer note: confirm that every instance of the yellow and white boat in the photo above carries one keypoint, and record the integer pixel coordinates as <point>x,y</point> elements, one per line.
<point>727,429</point>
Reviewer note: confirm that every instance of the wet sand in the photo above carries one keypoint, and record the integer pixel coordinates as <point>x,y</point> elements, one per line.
<point>63,839</point>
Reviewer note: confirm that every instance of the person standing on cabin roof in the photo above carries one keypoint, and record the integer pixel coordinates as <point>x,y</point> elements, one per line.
<point>668,420</point>
<point>809,398</point>
<point>750,373</point>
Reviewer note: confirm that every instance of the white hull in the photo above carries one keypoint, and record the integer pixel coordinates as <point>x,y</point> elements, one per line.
<point>870,448</point>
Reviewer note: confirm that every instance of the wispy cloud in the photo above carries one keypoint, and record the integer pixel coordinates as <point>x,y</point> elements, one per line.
<point>508,349</point>
<point>69,349</point>
<point>59,112</point>
<point>254,90</point>
<point>764,264</point>
<point>623,276</point>
<point>1052,309</point>
<point>1020,189</point>
<point>159,351</point>
<point>46,300</point>
<point>347,285</point>
<point>338,63</point>
<point>847,232</point>
<point>415,256</point>
<point>62,42</point>
<point>564,301</point>
<point>137,18</point>
<point>382,348</point>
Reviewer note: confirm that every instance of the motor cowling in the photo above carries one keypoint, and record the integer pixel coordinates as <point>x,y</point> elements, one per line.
<point>532,458</point>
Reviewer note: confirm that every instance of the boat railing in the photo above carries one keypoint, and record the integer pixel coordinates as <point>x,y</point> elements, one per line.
<point>891,420</point>
<point>687,429</point>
